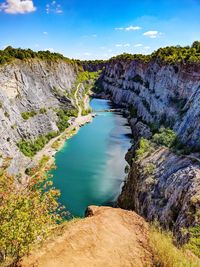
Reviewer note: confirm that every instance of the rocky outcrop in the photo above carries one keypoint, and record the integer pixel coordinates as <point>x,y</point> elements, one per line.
<point>161,186</point>
<point>160,93</point>
<point>108,237</point>
<point>31,85</point>
<point>165,187</point>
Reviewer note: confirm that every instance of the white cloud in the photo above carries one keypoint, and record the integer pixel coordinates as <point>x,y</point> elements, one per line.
<point>122,45</point>
<point>138,45</point>
<point>129,28</point>
<point>17,6</point>
<point>133,28</point>
<point>151,34</point>
<point>54,7</point>
<point>119,29</point>
<point>45,33</point>
<point>87,54</point>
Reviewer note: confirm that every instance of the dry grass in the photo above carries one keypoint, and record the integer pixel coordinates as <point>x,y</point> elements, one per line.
<point>166,254</point>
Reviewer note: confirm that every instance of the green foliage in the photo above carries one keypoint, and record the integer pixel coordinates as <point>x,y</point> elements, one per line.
<point>6,114</point>
<point>43,111</point>
<point>165,137</point>
<point>194,241</point>
<point>144,147</point>
<point>86,111</point>
<point>63,117</point>
<point>149,169</point>
<point>10,53</point>
<point>27,215</point>
<point>30,148</point>
<point>28,114</point>
<point>169,54</point>
<point>86,76</point>
<point>166,254</point>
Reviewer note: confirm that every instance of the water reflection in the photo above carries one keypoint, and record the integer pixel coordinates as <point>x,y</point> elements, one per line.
<point>90,167</point>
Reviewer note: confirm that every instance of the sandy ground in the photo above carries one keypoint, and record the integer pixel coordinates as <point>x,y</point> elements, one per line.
<point>109,238</point>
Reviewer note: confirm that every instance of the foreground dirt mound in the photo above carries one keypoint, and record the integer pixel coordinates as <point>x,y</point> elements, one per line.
<point>108,237</point>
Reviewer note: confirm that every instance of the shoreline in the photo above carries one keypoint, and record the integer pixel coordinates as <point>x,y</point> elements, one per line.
<point>51,151</point>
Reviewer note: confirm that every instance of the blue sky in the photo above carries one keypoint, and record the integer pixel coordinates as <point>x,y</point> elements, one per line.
<point>89,29</point>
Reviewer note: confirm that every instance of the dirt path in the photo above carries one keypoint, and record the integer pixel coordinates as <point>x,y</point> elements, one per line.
<point>109,238</point>
<point>77,123</point>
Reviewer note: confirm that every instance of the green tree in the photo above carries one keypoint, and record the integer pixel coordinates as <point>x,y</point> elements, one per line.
<point>27,213</point>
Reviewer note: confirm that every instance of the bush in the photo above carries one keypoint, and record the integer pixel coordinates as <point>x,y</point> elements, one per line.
<point>63,117</point>
<point>165,137</point>
<point>165,254</point>
<point>30,148</point>
<point>28,114</point>
<point>149,169</point>
<point>27,215</point>
<point>194,241</point>
<point>145,146</point>
<point>43,110</point>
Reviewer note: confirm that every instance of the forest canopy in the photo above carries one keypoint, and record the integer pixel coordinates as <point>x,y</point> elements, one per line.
<point>169,54</point>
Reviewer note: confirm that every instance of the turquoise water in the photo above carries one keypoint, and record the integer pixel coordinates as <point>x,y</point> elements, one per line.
<point>90,167</point>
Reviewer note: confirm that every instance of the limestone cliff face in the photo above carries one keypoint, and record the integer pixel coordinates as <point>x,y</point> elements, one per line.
<point>166,94</point>
<point>159,92</point>
<point>164,187</point>
<point>31,85</point>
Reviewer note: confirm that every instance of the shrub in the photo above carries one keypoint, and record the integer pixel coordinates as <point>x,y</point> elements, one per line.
<point>43,110</point>
<point>149,169</point>
<point>165,254</point>
<point>28,114</point>
<point>30,148</point>
<point>194,241</point>
<point>165,137</point>
<point>145,146</point>
<point>27,215</point>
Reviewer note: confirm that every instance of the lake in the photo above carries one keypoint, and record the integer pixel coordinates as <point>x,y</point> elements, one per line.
<point>90,166</point>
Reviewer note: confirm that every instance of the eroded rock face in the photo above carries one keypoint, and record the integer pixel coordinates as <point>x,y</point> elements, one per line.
<point>165,187</point>
<point>159,92</point>
<point>31,85</point>
<point>162,186</point>
<point>108,237</point>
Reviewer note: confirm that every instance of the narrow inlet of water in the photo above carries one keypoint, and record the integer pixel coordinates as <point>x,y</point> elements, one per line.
<point>90,166</point>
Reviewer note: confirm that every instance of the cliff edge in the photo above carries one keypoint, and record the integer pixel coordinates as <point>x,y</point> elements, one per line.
<point>108,237</point>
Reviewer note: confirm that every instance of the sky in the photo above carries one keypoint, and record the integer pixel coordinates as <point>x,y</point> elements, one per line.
<point>98,29</point>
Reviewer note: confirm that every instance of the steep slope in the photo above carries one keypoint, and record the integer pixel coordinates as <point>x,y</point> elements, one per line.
<point>161,93</point>
<point>108,237</point>
<point>161,185</point>
<point>31,93</point>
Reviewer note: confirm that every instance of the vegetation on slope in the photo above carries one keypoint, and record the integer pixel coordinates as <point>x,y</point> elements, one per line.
<point>166,254</point>
<point>10,53</point>
<point>169,54</point>
<point>27,214</point>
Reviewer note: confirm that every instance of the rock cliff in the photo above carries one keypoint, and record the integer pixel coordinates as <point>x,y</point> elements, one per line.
<point>38,86</point>
<point>158,93</point>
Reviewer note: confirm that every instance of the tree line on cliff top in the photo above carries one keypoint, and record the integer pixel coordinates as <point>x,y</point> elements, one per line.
<point>169,54</point>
